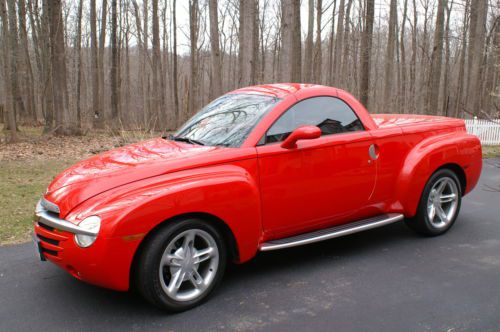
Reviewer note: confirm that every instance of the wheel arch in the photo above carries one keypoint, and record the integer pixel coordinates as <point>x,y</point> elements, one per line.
<point>432,154</point>
<point>459,172</point>
<point>218,223</point>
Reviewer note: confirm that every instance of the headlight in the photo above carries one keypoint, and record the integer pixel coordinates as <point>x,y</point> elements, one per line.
<point>92,224</point>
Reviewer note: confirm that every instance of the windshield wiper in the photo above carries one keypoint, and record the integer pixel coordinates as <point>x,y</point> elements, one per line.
<point>185,139</point>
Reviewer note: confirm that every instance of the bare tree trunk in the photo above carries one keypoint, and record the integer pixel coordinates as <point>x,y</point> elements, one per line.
<point>264,41</point>
<point>308,53</point>
<point>436,60</point>
<point>413,63</point>
<point>403,92</point>
<point>102,43</point>
<point>421,100</point>
<point>216,86</point>
<point>446,88</point>
<point>98,121</point>
<point>389,60</point>
<point>492,90</point>
<point>461,71</point>
<point>38,49</point>
<point>366,50</point>
<point>193,33</point>
<point>476,49</point>
<point>166,72</point>
<point>127,65</point>
<point>396,100</point>
<point>175,75</point>
<point>248,42</point>
<point>79,65</point>
<point>19,109</point>
<point>488,68</point>
<point>318,55</point>
<point>160,121</point>
<point>142,64</point>
<point>47,69</point>
<point>345,51</point>
<point>8,97</point>
<point>296,43</point>
<point>337,59</point>
<point>30,89</point>
<point>330,78</point>
<point>291,41</point>
<point>115,96</point>
<point>276,55</point>
<point>58,62</point>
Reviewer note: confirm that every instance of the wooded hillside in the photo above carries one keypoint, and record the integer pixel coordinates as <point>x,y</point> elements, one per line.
<point>74,66</point>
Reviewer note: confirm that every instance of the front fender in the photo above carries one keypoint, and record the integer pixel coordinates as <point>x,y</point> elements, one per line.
<point>228,192</point>
<point>459,149</point>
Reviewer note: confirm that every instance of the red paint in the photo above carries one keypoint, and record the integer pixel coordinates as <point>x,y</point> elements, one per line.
<point>301,133</point>
<point>259,192</point>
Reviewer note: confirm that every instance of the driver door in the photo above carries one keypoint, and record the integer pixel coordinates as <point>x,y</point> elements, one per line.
<point>323,181</point>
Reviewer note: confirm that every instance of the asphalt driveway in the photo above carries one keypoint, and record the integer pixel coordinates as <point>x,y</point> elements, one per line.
<point>388,279</point>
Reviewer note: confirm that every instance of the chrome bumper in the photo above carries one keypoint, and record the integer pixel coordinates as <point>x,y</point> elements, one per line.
<point>51,219</point>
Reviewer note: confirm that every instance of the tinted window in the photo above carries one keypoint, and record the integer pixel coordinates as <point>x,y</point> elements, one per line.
<point>330,114</point>
<point>228,120</point>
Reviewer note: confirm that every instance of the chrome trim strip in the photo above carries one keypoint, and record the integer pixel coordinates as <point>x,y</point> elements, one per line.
<point>49,206</point>
<point>46,218</point>
<point>391,218</point>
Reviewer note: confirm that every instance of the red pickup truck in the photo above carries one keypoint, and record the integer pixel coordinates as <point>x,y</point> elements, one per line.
<point>260,168</point>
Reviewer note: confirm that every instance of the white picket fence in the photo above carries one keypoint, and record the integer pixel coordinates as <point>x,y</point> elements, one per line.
<point>487,131</point>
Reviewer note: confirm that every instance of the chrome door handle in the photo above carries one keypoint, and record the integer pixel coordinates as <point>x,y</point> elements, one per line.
<point>373,152</point>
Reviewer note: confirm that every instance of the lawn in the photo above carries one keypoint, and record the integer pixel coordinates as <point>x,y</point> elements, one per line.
<point>22,184</point>
<point>27,168</point>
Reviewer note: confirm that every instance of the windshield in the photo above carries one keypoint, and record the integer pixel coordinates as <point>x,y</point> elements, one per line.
<point>226,121</point>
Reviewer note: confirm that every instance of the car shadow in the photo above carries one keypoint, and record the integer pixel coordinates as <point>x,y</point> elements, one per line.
<point>303,257</point>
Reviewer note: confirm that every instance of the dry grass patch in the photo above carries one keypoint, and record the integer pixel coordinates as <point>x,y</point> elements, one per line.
<point>491,151</point>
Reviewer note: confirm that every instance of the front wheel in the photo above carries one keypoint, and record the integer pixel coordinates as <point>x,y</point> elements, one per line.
<point>181,264</point>
<point>439,205</point>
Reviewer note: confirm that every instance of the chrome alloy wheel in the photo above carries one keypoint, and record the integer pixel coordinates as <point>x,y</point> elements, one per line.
<point>442,202</point>
<point>188,265</point>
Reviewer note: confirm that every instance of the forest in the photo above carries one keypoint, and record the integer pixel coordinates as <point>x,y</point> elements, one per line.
<point>76,66</point>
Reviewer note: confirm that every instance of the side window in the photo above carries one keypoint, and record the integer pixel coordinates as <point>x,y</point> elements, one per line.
<point>330,114</point>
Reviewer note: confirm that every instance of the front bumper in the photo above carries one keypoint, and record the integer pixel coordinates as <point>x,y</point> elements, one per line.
<point>106,263</point>
<point>49,215</point>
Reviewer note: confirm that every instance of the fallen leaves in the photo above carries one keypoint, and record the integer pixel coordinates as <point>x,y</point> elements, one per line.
<point>38,147</point>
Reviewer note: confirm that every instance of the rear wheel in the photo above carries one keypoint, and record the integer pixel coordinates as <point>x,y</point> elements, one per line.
<point>439,205</point>
<point>181,265</point>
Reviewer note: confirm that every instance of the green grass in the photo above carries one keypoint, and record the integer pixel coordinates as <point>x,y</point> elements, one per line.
<point>21,185</point>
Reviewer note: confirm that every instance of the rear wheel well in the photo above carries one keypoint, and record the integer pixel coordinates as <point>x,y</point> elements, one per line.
<point>459,172</point>
<point>218,223</point>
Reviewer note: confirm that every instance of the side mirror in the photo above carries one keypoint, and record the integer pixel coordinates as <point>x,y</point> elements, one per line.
<point>304,132</point>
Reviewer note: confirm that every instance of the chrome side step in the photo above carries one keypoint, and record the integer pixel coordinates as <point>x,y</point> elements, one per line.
<point>333,232</point>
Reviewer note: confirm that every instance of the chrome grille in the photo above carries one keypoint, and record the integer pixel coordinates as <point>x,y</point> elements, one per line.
<point>50,238</point>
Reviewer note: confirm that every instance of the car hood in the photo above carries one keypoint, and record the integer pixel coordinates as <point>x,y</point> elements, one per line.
<point>127,164</point>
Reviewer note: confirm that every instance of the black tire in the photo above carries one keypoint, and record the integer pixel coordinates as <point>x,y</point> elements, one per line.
<point>147,269</point>
<point>421,223</point>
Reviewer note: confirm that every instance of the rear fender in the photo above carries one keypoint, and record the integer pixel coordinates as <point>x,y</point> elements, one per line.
<point>459,149</point>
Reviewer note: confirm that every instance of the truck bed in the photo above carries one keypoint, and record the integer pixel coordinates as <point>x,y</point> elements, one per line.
<point>414,120</point>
